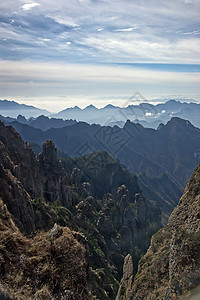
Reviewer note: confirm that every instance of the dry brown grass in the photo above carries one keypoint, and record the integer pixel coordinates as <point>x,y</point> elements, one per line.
<point>35,268</point>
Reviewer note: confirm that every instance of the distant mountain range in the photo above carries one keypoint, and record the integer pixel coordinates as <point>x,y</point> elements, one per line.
<point>173,148</point>
<point>146,114</point>
<point>42,122</point>
<point>13,109</point>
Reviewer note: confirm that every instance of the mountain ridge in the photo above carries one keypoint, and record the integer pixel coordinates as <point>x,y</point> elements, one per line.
<point>147,114</point>
<point>139,149</point>
<point>13,109</point>
<point>41,122</point>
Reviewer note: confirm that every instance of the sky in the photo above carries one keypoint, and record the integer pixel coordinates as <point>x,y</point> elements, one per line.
<point>58,54</point>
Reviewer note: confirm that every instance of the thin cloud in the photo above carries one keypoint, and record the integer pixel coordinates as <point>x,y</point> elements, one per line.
<point>140,48</point>
<point>77,82</point>
<point>63,20</point>
<point>61,73</point>
<point>28,6</point>
<point>125,29</point>
<point>157,26</point>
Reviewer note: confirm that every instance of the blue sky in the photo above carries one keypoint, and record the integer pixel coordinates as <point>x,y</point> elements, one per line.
<point>56,54</point>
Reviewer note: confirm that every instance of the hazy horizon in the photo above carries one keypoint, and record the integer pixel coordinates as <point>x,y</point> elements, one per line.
<point>124,100</point>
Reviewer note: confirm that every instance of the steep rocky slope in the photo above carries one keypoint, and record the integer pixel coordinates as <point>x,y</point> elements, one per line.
<point>36,269</point>
<point>32,267</point>
<point>106,174</point>
<point>24,178</point>
<point>171,266</point>
<point>86,259</point>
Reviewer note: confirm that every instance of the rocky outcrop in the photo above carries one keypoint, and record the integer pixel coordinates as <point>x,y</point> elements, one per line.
<point>23,163</point>
<point>124,291</point>
<point>124,228</point>
<point>171,266</point>
<point>24,178</point>
<point>55,232</point>
<point>15,160</point>
<point>135,217</point>
<point>56,186</point>
<point>76,176</point>
<point>115,230</point>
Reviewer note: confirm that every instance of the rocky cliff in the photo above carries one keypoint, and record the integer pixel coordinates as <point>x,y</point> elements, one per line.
<point>18,168</point>
<point>56,186</point>
<point>171,266</point>
<point>86,260</point>
<point>32,266</point>
<point>24,177</point>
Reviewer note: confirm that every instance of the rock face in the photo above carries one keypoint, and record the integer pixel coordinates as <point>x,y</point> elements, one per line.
<point>126,282</point>
<point>114,228</point>
<point>135,219</point>
<point>105,174</point>
<point>22,157</point>
<point>23,178</point>
<point>55,181</point>
<point>76,176</point>
<point>15,160</point>
<point>55,232</point>
<point>171,266</point>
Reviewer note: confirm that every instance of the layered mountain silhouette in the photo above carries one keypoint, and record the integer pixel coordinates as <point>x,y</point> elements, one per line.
<point>42,122</point>
<point>146,114</point>
<point>13,109</point>
<point>173,148</point>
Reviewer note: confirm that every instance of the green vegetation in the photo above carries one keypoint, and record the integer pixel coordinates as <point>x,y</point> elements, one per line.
<point>105,173</point>
<point>46,214</point>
